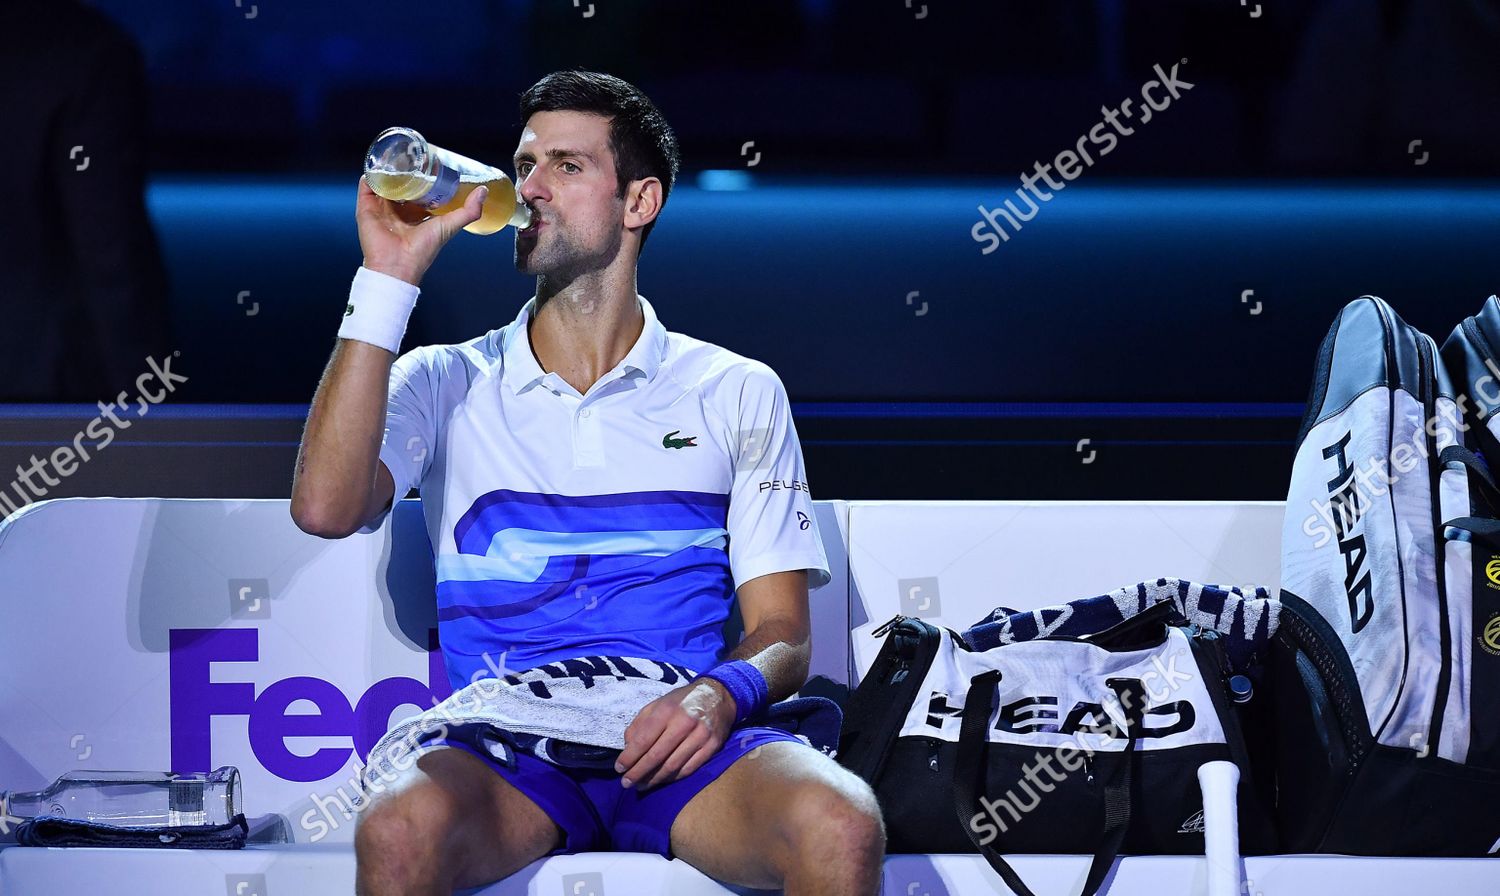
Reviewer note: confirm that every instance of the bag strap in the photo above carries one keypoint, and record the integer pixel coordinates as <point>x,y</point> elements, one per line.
<point>1473,528</point>
<point>873,713</point>
<point>970,766</point>
<point>1479,473</point>
<point>1484,530</point>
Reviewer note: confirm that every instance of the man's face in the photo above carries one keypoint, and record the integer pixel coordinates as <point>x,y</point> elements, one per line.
<point>566,173</point>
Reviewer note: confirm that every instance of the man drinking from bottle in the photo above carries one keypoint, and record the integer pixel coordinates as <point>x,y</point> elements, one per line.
<point>598,490</point>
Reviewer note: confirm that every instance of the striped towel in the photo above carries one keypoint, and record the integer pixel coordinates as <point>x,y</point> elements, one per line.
<point>1244,619</point>
<point>586,700</point>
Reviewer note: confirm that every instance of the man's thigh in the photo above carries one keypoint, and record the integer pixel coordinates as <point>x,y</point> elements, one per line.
<point>746,826</point>
<point>454,810</point>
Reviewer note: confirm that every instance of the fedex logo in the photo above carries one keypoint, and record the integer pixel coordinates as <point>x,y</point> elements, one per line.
<point>196,698</point>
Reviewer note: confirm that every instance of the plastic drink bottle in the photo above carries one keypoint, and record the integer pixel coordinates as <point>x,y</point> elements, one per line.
<point>403,167</point>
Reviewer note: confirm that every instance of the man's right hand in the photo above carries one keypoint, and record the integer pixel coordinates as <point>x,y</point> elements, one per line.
<point>397,241</point>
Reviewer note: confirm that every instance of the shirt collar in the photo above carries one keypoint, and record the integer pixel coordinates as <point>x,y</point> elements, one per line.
<point>522,369</point>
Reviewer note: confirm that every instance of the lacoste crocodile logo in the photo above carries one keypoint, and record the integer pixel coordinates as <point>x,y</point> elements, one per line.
<point>668,442</point>
<point>348,309</point>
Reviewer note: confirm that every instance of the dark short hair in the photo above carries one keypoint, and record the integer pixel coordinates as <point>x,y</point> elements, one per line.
<point>639,137</point>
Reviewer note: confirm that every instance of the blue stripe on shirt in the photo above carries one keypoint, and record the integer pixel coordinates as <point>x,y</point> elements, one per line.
<point>620,512</point>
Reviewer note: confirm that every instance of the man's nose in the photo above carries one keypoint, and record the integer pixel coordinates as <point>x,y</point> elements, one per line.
<point>531,188</point>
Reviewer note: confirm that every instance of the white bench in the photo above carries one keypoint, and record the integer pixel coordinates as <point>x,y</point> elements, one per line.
<point>93,590</point>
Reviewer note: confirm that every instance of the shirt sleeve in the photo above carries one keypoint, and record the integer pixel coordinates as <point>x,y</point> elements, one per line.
<point>410,429</point>
<point>772,527</point>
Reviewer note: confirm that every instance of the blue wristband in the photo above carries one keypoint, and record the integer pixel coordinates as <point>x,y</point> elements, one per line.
<point>744,683</point>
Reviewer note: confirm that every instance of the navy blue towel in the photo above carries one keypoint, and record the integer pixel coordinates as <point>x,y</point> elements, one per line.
<point>50,830</point>
<point>816,718</point>
<point>1244,619</point>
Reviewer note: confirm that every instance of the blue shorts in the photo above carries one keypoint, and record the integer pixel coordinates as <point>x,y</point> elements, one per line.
<point>597,814</point>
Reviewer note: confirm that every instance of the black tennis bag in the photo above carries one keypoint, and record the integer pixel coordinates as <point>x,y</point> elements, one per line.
<point>1057,745</point>
<point>1388,687</point>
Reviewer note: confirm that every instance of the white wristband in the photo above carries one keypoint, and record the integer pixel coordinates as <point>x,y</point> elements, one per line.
<point>379,306</point>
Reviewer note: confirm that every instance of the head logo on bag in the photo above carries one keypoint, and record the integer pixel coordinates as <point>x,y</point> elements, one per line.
<point>1042,713</point>
<point>1344,498</point>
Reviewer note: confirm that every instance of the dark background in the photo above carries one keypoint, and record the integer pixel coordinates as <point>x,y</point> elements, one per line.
<point>1165,306</point>
<point>884,88</point>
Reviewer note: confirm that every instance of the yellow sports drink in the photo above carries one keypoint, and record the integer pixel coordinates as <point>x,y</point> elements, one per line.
<point>403,167</point>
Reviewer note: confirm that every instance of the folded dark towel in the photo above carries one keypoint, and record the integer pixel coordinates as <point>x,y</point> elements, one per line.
<point>50,830</point>
<point>816,718</point>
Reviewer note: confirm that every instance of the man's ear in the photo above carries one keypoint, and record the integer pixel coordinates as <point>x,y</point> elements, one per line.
<point>643,200</point>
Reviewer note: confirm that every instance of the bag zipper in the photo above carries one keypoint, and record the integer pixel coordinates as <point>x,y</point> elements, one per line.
<point>1392,383</point>
<point>1445,670</point>
<point>1477,336</point>
<point>888,625</point>
<point>1322,370</point>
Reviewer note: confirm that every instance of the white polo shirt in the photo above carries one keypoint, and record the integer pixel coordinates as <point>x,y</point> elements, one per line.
<point>617,522</point>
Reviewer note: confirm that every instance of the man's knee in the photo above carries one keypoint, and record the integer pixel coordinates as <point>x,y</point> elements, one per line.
<point>452,821</point>
<point>844,817</point>
<point>406,829</point>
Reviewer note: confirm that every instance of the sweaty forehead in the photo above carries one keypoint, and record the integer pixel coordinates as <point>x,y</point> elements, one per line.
<point>550,131</point>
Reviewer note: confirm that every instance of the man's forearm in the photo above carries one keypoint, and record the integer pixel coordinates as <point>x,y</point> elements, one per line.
<point>336,463</point>
<point>781,650</point>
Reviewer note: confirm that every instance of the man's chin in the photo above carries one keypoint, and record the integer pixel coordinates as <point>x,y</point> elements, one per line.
<point>537,264</point>
<point>528,259</point>
<point>526,263</point>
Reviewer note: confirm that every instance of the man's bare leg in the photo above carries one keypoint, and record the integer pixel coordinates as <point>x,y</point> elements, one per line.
<point>449,822</point>
<point>785,815</point>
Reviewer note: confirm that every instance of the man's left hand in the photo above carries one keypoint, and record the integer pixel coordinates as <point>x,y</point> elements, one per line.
<point>673,735</point>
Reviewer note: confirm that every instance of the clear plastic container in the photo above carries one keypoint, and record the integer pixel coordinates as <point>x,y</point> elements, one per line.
<point>134,799</point>
<point>403,167</point>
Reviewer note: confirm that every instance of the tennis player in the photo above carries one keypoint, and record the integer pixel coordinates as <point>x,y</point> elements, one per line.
<point>595,486</point>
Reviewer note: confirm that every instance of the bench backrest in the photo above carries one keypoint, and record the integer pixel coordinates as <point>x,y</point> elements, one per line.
<point>187,634</point>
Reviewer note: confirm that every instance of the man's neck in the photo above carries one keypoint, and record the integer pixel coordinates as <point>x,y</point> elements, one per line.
<point>583,329</point>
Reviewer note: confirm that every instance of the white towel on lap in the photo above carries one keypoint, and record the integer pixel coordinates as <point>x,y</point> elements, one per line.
<point>588,700</point>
